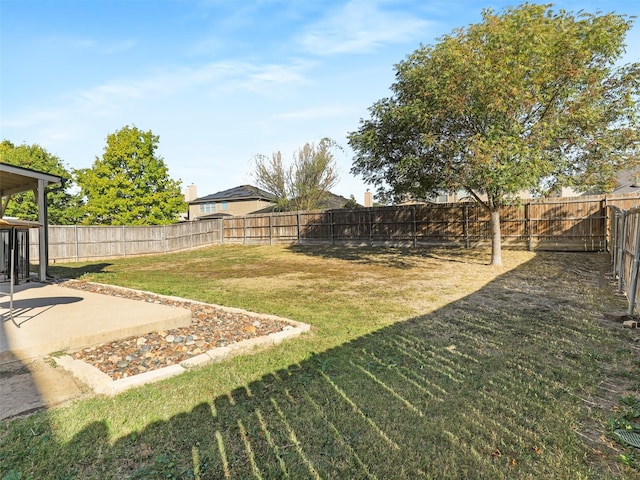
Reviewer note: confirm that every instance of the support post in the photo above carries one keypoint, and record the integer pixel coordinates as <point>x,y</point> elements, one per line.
<point>43,241</point>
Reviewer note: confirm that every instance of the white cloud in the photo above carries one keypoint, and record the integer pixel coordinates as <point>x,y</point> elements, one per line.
<point>360,26</point>
<point>210,79</point>
<point>326,111</point>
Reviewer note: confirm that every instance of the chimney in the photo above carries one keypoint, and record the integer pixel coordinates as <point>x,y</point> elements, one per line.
<point>190,193</point>
<point>368,199</point>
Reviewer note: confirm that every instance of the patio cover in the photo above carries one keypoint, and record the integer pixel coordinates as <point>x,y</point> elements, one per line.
<point>14,180</point>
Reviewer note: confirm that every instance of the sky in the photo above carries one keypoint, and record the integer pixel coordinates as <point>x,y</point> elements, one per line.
<point>219,81</point>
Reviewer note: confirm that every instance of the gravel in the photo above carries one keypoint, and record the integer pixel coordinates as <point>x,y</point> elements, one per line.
<point>211,327</point>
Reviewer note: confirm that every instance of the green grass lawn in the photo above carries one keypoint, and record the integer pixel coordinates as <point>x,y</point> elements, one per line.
<point>421,363</point>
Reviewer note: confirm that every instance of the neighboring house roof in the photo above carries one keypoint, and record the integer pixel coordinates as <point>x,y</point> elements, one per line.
<point>243,192</point>
<point>627,181</point>
<point>330,202</point>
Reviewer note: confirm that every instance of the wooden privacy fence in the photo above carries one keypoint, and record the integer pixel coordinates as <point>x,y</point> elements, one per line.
<point>75,243</point>
<point>564,224</point>
<point>625,252</point>
<point>568,224</point>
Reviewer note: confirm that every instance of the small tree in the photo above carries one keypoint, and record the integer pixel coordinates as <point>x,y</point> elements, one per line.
<point>305,182</point>
<point>525,100</point>
<point>130,185</point>
<point>61,205</point>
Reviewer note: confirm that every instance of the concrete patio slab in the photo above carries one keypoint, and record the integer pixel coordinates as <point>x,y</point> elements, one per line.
<point>50,318</point>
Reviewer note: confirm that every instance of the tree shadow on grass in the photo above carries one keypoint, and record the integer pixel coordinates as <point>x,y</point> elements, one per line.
<point>395,257</point>
<point>75,272</point>
<point>491,386</point>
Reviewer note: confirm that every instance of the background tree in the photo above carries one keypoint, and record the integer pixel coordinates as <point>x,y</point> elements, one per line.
<point>130,184</point>
<point>61,205</point>
<point>528,99</point>
<point>303,184</point>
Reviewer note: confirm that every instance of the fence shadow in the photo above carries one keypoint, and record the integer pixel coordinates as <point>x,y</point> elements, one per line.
<point>396,257</point>
<point>481,385</point>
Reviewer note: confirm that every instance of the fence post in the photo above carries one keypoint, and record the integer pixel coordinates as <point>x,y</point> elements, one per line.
<point>621,250</point>
<point>244,230</point>
<point>613,244</point>
<point>634,272</point>
<point>414,225</point>
<point>528,225</point>
<point>77,241</point>
<point>271,229</point>
<point>605,205</point>
<point>164,232</point>
<point>370,227</point>
<point>298,225</point>
<point>124,241</point>
<point>467,240</point>
<point>333,240</point>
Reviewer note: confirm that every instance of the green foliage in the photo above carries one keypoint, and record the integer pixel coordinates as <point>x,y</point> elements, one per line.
<point>12,475</point>
<point>351,203</point>
<point>60,203</point>
<point>304,183</point>
<point>522,97</point>
<point>525,100</point>
<point>130,184</point>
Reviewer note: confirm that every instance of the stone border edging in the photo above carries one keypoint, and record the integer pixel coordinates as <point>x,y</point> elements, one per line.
<point>103,384</point>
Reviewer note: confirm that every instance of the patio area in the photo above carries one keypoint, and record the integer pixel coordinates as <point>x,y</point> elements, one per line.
<point>49,318</point>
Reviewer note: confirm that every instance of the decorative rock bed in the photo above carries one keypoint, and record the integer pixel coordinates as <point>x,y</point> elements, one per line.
<point>215,333</point>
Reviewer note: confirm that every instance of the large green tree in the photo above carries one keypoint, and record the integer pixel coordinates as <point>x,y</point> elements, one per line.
<point>528,99</point>
<point>130,184</point>
<point>305,182</point>
<point>61,205</point>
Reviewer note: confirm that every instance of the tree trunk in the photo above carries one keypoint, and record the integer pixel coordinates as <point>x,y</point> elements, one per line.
<point>496,239</point>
